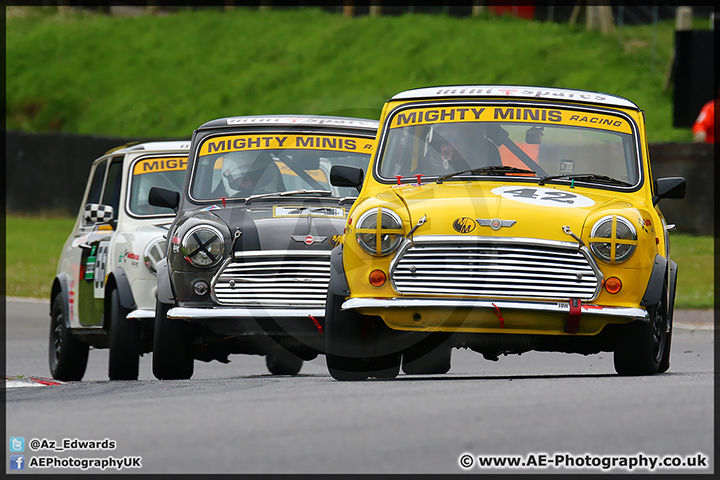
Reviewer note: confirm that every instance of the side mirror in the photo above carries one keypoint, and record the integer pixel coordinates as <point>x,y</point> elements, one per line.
<point>164,197</point>
<point>669,187</point>
<point>346,176</point>
<point>98,213</point>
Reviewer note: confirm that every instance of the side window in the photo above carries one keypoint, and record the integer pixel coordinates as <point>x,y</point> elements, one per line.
<point>111,193</point>
<point>96,184</point>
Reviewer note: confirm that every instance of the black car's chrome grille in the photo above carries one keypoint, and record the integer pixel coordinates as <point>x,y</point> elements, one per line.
<point>496,269</point>
<point>274,279</point>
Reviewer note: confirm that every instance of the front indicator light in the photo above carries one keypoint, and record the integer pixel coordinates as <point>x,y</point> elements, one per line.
<point>200,287</point>
<point>377,278</point>
<point>613,285</point>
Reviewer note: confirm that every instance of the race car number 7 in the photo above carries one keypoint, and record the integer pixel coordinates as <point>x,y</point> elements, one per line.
<point>548,197</point>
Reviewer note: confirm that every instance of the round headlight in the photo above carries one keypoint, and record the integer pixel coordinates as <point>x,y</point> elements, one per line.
<point>379,231</point>
<point>203,246</point>
<point>154,252</point>
<point>613,239</point>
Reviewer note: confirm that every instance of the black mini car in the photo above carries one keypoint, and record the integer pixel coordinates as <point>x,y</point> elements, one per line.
<point>248,255</point>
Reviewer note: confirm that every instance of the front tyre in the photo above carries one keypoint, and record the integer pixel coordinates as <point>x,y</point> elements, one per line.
<point>172,357</point>
<point>349,341</point>
<point>68,356</point>
<point>124,342</point>
<point>644,348</point>
<point>665,361</point>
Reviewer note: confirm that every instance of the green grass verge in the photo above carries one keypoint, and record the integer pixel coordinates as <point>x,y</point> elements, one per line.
<point>162,76</point>
<point>34,245</point>
<point>695,257</point>
<point>32,249</point>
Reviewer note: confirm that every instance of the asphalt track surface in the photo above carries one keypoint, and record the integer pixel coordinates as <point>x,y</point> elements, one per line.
<point>236,418</point>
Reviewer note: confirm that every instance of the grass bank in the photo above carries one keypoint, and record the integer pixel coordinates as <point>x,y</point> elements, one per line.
<point>162,76</point>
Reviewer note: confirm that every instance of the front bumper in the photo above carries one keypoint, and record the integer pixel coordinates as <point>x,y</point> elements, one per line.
<point>487,316</point>
<point>189,313</point>
<point>141,314</point>
<point>563,307</point>
<point>295,322</point>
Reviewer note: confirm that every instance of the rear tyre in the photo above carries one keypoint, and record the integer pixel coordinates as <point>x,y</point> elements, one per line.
<point>124,342</point>
<point>67,355</point>
<point>283,363</point>
<point>421,361</point>
<point>172,357</point>
<point>645,346</point>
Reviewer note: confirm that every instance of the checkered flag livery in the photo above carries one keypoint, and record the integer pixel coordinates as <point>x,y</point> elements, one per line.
<point>97,213</point>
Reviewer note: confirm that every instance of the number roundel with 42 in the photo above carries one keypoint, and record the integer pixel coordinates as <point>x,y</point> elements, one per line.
<point>547,197</point>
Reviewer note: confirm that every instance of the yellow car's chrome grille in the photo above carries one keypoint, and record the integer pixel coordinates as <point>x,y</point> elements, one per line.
<point>274,279</point>
<point>496,270</point>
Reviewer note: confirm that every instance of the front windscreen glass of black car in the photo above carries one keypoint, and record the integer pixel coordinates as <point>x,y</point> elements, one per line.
<point>272,171</point>
<point>556,149</point>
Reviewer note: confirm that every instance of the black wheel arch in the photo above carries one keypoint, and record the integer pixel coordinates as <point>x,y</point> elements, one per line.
<point>338,280</point>
<point>164,285</point>
<point>672,284</point>
<point>653,291</point>
<point>60,287</point>
<point>117,280</point>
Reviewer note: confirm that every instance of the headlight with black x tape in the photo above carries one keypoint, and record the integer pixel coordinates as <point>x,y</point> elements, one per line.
<point>379,231</point>
<point>613,239</point>
<point>203,246</point>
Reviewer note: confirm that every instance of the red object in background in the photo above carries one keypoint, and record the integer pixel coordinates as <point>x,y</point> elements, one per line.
<point>705,122</point>
<point>521,11</point>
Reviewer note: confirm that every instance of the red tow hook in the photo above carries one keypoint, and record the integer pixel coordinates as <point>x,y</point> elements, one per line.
<point>418,178</point>
<point>317,324</point>
<point>573,322</point>
<point>499,315</point>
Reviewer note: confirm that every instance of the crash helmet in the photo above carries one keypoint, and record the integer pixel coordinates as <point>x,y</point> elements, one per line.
<point>243,170</point>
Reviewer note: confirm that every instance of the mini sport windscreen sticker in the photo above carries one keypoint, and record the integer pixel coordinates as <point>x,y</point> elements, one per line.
<point>546,197</point>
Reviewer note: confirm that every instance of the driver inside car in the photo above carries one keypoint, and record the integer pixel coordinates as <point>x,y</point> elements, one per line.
<point>453,145</point>
<point>248,173</point>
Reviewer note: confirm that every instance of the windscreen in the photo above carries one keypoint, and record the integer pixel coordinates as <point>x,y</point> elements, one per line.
<point>166,172</point>
<point>436,141</point>
<point>243,165</point>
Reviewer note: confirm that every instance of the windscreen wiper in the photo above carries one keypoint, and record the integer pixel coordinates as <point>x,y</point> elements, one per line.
<point>301,191</point>
<point>586,176</point>
<point>490,170</point>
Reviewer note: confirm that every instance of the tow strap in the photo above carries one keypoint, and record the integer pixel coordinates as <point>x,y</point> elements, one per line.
<point>573,322</point>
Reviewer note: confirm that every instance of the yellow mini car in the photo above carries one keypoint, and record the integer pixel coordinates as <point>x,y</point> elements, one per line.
<point>503,219</point>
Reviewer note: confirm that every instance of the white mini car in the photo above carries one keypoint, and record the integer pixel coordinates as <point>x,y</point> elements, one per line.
<point>104,292</point>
